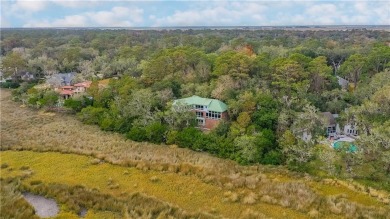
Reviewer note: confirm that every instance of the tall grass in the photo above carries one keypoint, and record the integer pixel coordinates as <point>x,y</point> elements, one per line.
<point>24,129</point>
<point>12,204</point>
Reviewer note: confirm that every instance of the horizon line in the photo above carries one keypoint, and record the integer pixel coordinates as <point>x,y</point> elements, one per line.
<point>206,26</point>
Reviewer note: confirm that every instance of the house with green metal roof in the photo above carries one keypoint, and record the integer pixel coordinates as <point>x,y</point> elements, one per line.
<point>209,112</point>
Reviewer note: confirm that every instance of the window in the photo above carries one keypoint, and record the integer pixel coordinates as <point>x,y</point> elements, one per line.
<point>199,114</point>
<point>213,115</point>
<point>200,121</point>
<point>331,129</point>
<point>199,107</point>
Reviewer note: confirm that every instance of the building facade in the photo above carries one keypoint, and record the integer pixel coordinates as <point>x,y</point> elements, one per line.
<point>209,112</point>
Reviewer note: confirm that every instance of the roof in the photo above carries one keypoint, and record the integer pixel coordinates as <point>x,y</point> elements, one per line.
<point>85,84</point>
<point>330,120</point>
<point>212,104</point>
<point>66,92</point>
<point>67,87</point>
<point>61,78</point>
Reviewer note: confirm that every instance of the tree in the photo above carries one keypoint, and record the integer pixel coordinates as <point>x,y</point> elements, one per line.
<point>12,64</point>
<point>246,102</point>
<point>43,65</point>
<point>249,152</point>
<point>301,59</point>
<point>286,75</point>
<point>179,116</point>
<point>349,157</point>
<point>328,157</point>
<point>319,74</point>
<point>121,67</point>
<point>267,113</point>
<point>378,58</point>
<point>233,63</point>
<point>140,105</point>
<point>297,152</point>
<point>243,120</point>
<point>335,56</point>
<point>352,68</point>
<point>261,66</point>
<point>203,71</point>
<point>179,63</point>
<point>86,71</point>
<point>385,158</point>
<point>274,51</point>
<point>224,87</point>
<point>309,121</point>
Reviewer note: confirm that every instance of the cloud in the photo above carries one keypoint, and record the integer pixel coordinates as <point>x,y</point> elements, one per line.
<point>28,6</point>
<point>4,22</point>
<point>321,9</point>
<point>116,17</point>
<point>223,13</point>
<point>126,13</point>
<point>335,13</point>
<point>77,3</point>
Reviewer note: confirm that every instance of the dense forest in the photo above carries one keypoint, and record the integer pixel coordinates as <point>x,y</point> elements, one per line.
<point>276,83</point>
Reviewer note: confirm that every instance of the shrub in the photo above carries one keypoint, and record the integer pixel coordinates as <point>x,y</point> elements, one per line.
<point>156,132</point>
<point>4,166</point>
<point>35,182</point>
<point>49,98</point>
<point>273,157</point>
<point>222,129</point>
<point>171,137</point>
<point>123,125</point>
<point>24,168</point>
<point>91,115</point>
<point>75,105</point>
<point>107,122</point>
<point>188,136</point>
<point>9,84</point>
<point>154,179</point>
<point>137,134</point>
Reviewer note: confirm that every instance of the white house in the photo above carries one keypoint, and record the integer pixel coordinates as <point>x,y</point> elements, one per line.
<point>351,130</point>
<point>330,123</point>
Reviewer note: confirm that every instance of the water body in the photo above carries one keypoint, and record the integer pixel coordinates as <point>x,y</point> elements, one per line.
<point>44,207</point>
<point>83,212</point>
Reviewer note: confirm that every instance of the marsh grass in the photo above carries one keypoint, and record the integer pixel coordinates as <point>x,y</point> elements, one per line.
<point>75,198</point>
<point>186,192</point>
<point>273,189</point>
<point>12,204</point>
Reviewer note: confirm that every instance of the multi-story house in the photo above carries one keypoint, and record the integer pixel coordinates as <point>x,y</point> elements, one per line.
<point>209,112</point>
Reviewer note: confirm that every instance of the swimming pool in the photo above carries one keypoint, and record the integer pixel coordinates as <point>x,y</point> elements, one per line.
<point>339,144</point>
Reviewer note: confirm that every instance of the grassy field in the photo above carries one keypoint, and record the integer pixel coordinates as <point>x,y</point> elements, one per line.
<point>187,192</point>
<point>193,182</point>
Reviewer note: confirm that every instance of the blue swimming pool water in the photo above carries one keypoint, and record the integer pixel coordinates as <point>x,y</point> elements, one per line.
<point>338,144</point>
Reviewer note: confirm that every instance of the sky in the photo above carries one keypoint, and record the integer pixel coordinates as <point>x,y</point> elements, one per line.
<point>160,13</point>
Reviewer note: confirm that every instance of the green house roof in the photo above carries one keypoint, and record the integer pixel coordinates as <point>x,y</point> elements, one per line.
<point>212,104</point>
